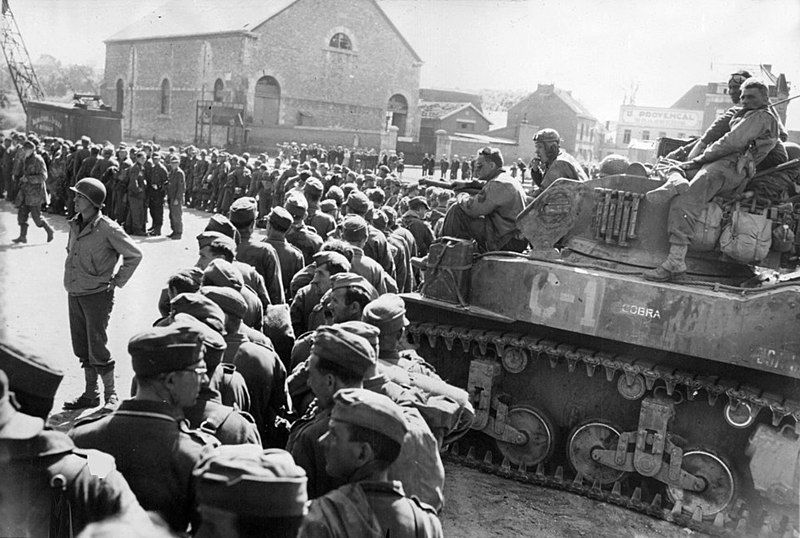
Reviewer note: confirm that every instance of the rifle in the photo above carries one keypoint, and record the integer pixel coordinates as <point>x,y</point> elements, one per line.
<point>471,187</point>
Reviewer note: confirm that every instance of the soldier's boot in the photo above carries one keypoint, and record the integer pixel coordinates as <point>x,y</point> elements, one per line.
<point>109,390</point>
<point>672,268</point>
<point>23,234</point>
<point>91,395</point>
<point>48,229</point>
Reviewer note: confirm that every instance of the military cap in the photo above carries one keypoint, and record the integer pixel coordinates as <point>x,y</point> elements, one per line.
<point>280,219</point>
<point>368,332</point>
<point>303,175</point>
<point>200,307</point>
<point>13,424</point>
<point>354,281</point>
<point>244,210</point>
<point>418,201</point>
<point>211,338</point>
<point>86,139</point>
<point>223,273</point>
<point>370,410</point>
<point>204,239</point>
<point>547,135</point>
<point>297,206</point>
<point>165,349</point>
<point>344,348</point>
<point>28,145</point>
<point>220,223</point>
<point>357,202</point>
<point>387,313</point>
<point>251,481</point>
<point>337,167</point>
<point>172,149</point>
<point>229,300</point>
<point>379,219</point>
<point>384,168</point>
<point>33,379</point>
<point>328,206</point>
<point>336,262</point>
<point>313,187</point>
<point>354,228</point>
<point>336,194</point>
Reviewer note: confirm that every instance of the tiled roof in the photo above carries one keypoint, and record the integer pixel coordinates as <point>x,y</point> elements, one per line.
<point>438,109</point>
<point>573,103</point>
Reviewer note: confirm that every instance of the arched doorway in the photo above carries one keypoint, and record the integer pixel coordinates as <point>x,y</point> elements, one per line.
<point>120,95</point>
<point>267,102</point>
<point>218,87</point>
<point>397,113</point>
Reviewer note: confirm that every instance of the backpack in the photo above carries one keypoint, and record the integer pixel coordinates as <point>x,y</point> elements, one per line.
<point>747,237</point>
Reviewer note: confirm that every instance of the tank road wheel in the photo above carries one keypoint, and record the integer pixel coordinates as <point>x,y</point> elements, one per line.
<point>583,441</point>
<point>540,432</point>
<point>721,483</point>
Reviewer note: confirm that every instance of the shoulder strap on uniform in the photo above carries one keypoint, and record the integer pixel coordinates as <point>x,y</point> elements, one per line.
<point>61,474</point>
<point>217,417</point>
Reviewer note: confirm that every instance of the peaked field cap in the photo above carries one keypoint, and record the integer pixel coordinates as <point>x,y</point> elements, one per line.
<point>358,202</point>
<point>334,260</point>
<point>221,223</point>
<point>251,481</point>
<point>221,272</point>
<point>387,313</point>
<point>228,299</point>
<point>244,210</point>
<point>370,410</point>
<point>211,338</point>
<point>344,348</point>
<point>28,372</point>
<point>354,281</point>
<point>165,349</point>
<point>200,307</point>
<point>280,218</point>
<point>205,238</point>
<point>368,332</point>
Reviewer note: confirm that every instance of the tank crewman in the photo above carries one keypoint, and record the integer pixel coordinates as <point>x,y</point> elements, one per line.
<point>300,235</point>
<point>254,252</point>
<point>31,194</point>
<point>94,247</point>
<point>323,223</point>
<point>339,359</point>
<point>155,193</point>
<point>289,256</point>
<point>260,366</point>
<point>155,448</point>
<point>365,434</point>
<point>489,217</point>
<point>754,132</point>
<point>229,425</point>
<point>136,221</point>
<point>447,409</point>
<point>552,162</point>
<point>246,491</point>
<point>176,187</point>
<point>376,246</point>
<point>355,232</point>
<point>35,460</point>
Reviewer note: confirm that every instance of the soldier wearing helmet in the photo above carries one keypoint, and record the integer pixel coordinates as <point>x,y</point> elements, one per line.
<point>552,162</point>
<point>31,194</point>
<point>95,245</point>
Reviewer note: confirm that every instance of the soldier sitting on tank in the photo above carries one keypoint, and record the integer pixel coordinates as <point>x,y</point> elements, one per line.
<point>552,162</point>
<point>753,134</point>
<point>489,217</point>
<point>612,165</point>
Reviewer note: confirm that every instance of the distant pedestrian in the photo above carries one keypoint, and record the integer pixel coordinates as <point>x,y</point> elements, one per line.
<point>32,193</point>
<point>95,245</point>
<point>176,187</point>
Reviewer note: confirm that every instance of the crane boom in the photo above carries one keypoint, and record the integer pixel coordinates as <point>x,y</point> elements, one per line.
<point>19,61</point>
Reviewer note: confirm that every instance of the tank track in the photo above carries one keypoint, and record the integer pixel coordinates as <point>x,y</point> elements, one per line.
<point>736,522</point>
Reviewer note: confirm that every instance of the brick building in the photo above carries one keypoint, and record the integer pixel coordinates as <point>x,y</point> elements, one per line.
<point>452,117</point>
<point>557,109</point>
<point>257,72</point>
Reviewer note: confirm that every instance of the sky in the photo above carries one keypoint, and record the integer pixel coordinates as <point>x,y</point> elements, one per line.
<point>599,49</point>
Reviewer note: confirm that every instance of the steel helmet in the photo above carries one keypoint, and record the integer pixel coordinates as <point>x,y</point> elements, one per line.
<point>91,188</point>
<point>614,164</point>
<point>547,135</point>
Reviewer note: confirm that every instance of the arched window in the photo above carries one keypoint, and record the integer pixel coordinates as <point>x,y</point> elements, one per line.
<point>341,41</point>
<point>267,102</point>
<point>120,95</point>
<point>218,87</point>
<point>165,96</point>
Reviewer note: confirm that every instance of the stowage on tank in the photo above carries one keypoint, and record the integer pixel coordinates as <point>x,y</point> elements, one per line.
<point>680,399</point>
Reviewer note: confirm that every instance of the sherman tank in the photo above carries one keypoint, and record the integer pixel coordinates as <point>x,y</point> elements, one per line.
<point>679,399</point>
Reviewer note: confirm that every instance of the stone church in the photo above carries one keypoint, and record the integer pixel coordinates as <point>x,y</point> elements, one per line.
<point>259,72</point>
